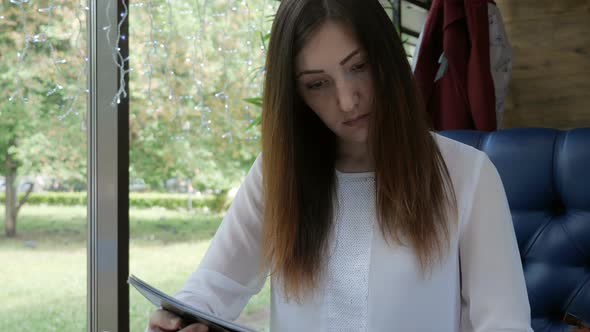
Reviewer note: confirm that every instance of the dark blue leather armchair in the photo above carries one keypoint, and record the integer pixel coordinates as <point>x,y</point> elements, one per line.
<point>546,174</point>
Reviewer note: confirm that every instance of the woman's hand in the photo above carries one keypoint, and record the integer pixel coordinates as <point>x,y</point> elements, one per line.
<point>163,321</point>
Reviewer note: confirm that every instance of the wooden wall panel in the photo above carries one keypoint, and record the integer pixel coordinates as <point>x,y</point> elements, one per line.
<point>550,84</point>
<point>523,10</point>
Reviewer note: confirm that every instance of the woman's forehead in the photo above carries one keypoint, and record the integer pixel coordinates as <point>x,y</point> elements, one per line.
<point>331,43</point>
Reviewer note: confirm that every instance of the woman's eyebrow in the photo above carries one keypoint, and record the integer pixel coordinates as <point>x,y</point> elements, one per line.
<point>319,71</point>
<point>348,57</point>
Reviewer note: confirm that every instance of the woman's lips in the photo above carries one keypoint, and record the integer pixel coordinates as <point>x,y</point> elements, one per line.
<point>357,121</point>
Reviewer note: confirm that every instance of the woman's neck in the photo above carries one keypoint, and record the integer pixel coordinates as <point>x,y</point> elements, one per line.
<point>354,158</point>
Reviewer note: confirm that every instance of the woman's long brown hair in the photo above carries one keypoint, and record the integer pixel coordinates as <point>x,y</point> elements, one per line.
<point>414,195</point>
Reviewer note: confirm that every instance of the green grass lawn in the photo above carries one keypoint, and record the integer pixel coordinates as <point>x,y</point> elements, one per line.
<point>43,270</point>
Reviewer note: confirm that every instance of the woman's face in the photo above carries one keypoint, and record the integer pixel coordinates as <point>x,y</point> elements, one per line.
<point>334,80</point>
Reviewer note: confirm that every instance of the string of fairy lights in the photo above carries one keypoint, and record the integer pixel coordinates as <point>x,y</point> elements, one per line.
<point>199,22</point>
<point>22,53</point>
<point>202,24</point>
<point>45,37</point>
<point>118,59</point>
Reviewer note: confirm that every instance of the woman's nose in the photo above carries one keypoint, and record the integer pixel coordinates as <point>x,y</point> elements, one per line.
<point>348,97</point>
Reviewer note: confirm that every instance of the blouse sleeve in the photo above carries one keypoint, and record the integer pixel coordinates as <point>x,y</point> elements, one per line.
<point>493,291</point>
<point>229,273</point>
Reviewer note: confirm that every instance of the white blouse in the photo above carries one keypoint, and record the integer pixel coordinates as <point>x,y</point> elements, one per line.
<point>370,285</point>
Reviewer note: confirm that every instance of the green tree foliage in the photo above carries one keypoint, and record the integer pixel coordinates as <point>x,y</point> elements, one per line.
<point>194,63</point>
<point>41,104</point>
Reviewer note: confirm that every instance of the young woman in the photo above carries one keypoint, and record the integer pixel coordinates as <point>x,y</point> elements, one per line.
<point>364,219</point>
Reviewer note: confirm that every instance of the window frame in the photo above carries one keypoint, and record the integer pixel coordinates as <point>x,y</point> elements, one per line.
<point>108,171</point>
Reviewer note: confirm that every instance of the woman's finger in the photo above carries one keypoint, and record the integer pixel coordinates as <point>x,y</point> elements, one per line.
<point>164,320</point>
<point>195,328</point>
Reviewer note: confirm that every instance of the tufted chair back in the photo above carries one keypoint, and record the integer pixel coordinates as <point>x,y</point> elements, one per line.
<point>546,174</point>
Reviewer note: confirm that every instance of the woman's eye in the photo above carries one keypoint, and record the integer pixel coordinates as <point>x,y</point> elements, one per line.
<point>315,85</point>
<point>360,66</point>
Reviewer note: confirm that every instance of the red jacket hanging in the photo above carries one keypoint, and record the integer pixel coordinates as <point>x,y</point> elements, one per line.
<point>463,98</point>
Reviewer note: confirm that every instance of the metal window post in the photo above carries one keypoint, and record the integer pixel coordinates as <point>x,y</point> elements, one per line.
<point>108,164</point>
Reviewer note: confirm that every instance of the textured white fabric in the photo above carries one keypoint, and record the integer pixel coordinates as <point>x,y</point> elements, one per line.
<point>372,285</point>
<point>347,288</point>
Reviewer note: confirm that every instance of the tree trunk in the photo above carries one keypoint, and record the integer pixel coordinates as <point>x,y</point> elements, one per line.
<point>10,204</point>
<point>13,205</point>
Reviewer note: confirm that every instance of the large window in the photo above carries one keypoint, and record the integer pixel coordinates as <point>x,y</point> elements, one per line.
<point>43,61</point>
<point>196,76</point>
